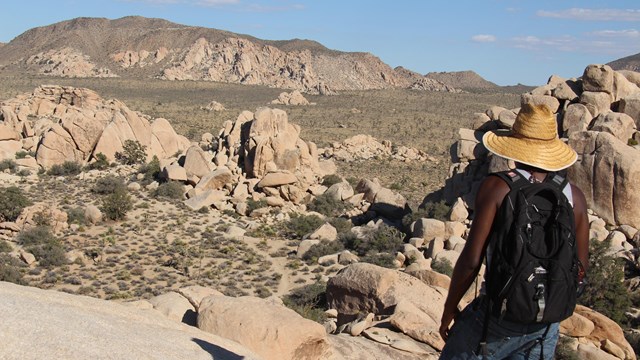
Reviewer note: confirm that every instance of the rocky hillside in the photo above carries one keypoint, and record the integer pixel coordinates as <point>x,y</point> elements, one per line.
<point>627,63</point>
<point>142,47</point>
<point>462,80</point>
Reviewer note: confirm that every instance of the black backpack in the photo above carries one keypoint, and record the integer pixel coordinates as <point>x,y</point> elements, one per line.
<point>533,272</point>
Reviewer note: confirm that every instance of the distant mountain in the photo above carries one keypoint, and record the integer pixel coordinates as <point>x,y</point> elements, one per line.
<point>627,63</point>
<point>142,47</point>
<point>462,80</point>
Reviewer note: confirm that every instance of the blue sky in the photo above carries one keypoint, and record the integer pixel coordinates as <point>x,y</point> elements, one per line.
<point>504,41</point>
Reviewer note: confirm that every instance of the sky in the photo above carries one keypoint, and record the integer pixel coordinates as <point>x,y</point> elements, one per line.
<point>507,42</point>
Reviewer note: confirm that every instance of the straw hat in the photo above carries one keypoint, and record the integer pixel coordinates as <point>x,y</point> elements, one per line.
<point>533,140</point>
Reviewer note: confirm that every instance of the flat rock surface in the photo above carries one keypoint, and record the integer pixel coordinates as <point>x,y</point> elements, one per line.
<point>43,324</point>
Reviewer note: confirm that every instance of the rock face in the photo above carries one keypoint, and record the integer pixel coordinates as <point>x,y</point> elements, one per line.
<point>76,327</point>
<point>74,124</point>
<point>67,62</point>
<point>595,119</point>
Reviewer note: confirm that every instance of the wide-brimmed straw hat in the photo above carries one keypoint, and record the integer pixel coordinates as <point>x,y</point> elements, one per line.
<point>532,140</point>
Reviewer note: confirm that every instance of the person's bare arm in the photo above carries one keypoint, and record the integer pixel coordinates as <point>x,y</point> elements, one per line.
<point>582,225</point>
<point>488,200</point>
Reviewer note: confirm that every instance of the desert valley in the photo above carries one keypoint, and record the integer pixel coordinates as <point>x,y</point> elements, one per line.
<point>169,191</point>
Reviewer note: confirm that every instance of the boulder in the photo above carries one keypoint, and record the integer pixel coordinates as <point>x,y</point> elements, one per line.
<point>608,174</point>
<point>270,330</point>
<point>197,162</point>
<point>606,329</point>
<point>216,179</point>
<point>175,306</point>
<point>619,125</point>
<point>364,288</point>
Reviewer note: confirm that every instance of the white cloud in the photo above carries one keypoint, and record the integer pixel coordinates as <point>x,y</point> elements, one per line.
<point>593,14</point>
<point>483,38</point>
<point>214,3</point>
<point>630,33</point>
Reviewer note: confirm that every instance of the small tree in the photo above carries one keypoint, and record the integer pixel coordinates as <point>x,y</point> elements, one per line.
<point>12,201</point>
<point>116,205</point>
<point>100,162</point>
<point>605,291</point>
<point>132,153</point>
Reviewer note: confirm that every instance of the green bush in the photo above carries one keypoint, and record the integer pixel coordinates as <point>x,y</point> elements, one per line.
<point>150,170</point>
<point>67,168</point>
<point>341,225</point>
<point>300,225</point>
<point>23,154</point>
<point>331,180</point>
<point>328,206</point>
<point>384,239</point>
<point>442,266</point>
<point>116,205</point>
<point>76,216</point>
<point>108,184</point>
<point>132,153</point>
<point>253,205</point>
<point>384,260</point>
<point>10,270</point>
<point>309,301</point>
<point>12,201</point>
<point>430,210</point>
<point>8,164</point>
<point>605,291</point>
<point>41,242</point>
<point>323,248</point>
<point>170,190</point>
<point>5,247</point>
<point>100,162</point>
<point>564,351</point>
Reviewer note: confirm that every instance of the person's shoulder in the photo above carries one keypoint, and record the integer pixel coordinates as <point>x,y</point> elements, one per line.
<point>579,200</point>
<point>494,186</point>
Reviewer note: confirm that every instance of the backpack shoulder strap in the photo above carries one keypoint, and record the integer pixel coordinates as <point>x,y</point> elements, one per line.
<point>557,180</point>
<point>513,178</point>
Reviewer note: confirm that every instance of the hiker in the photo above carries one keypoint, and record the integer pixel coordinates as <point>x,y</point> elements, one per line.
<point>477,332</point>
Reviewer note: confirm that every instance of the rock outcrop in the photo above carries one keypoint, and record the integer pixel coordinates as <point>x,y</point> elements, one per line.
<point>593,121</point>
<point>47,324</point>
<point>74,124</point>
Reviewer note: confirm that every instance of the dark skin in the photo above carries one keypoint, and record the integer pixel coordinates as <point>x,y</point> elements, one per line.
<point>488,201</point>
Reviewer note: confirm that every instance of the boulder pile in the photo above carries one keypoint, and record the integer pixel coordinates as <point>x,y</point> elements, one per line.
<point>365,147</point>
<point>59,123</point>
<point>292,98</point>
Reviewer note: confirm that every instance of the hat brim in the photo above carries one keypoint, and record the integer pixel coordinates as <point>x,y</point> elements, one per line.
<point>550,155</point>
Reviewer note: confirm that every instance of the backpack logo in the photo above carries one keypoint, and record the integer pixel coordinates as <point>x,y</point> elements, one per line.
<point>532,275</point>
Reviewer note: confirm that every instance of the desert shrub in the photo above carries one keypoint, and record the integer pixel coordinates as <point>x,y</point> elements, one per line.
<point>381,259</point>
<point>170,190</point>
<point>23,154</point>
<point>67,168</point>
<point>10,269</point>
<point>108,184</point>
<point>253,204</point>
<point>116,205</point>
<point>300,225</point>
<point>331,180</point>
<point>431,210</point>
<point>4,247</point>
<point>328,206</point>
<point>41,242</point>
<point>12,201</point>
<point>634,340</point>
<point>132,153</point>
<point>342,225</point>
<point>100,162</point>
<point>76,216</point>
<point>150,170</point>
<point>564,351</point>
<point>323,248</point>
<point>8,164</point>
<point>443,266</point>
<point>605,291</point>
<point>632,142</point>
<point>384,239</point>
<point>309,301</point>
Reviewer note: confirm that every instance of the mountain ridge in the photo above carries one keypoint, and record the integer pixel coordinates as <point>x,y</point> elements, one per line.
<point>140,47</point>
